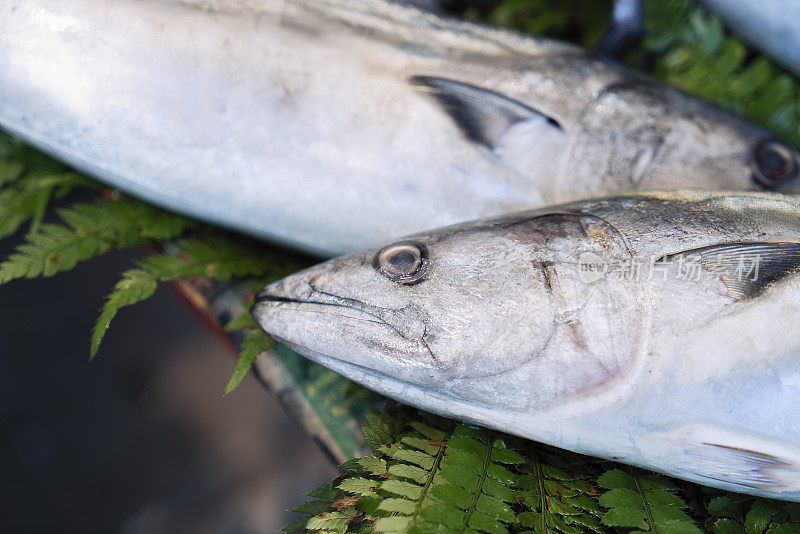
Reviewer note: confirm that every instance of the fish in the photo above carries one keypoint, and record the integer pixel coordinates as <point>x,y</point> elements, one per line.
<point>654,329</point>
<point>770,26</point>
<point>333,126</point>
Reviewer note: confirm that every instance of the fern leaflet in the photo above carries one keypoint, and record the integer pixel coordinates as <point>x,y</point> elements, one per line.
<point>218,257</point>
<point>559,498</point>
<point>89,230</point>
<point>731,513</point>
<point>254,343</point>
<point>643,501</point>
<point>694,53</point>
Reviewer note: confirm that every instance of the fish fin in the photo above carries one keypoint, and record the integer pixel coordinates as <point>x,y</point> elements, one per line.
<point>747,269</point>
<point>625,29</point>
<point>481,114</point>
<point>434,6</point>
<point>721,455</point>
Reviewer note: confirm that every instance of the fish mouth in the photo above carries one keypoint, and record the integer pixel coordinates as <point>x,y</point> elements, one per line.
<point>403,369</point>
<point>323,325</point>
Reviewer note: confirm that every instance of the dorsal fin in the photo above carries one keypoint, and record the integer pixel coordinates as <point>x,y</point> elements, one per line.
<point>625,30</point>
<point>483,115</point>
<point>747,269</point>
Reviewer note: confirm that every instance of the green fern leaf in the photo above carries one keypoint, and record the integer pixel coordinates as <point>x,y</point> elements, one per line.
<point>216,257</point>
<point>377,430</point>
<point>643,501</point>
<point>254,343</point>
<point>694,53</point>
<point>740,513</point>
<point>30,197</point>
<point>243,321</point>
<point>578,21</point>
<point>430,477</point>
<point>136,285</point>
<point>441,480</point>
<point>558,500</point>
<point>89,230</point>
<point>29,181</point>
<point>330,510</point>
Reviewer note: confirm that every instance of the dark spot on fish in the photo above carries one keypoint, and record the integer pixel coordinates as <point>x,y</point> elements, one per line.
<point>575,334</point>
<point>544,267</point>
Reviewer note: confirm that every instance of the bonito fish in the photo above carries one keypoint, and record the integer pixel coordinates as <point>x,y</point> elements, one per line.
<point>657,329</point>
<point>335,125</point>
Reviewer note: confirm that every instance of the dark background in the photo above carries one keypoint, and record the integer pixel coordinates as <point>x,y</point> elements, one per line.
<point>142,438</point>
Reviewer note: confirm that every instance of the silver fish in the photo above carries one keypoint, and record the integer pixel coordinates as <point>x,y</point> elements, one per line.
<point>333,126</point>
<point>660,330</point>
<point>771,25</point>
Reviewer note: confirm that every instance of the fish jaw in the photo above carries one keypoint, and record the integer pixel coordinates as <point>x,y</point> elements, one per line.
<point>301,312</point>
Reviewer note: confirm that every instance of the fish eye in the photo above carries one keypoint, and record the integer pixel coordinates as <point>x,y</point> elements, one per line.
<point>405,262</point>
<point>773,164</point>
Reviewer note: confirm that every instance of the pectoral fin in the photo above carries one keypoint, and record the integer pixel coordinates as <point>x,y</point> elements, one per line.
<point>481,114</point>
<point>722,455</point>
<point>746,269</point>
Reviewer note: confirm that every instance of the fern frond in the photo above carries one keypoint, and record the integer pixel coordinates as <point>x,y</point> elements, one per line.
<point>559,499</point>
<point>429,476</point>
<point>694,53</point>
<point>29,182</point>
<point>331,510</point>
<point>10,170</point>
<point>29,198</point>
<point>219,257</point>
<point>433,478</point>
<point>577,21</point>
<point>89,230</point>
<point>644,501</point>
<point>135,286</point>
<point>254,343</point>
<point>731,513</point>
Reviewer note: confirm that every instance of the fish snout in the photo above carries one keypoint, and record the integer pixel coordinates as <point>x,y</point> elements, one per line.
<point>315,322</point>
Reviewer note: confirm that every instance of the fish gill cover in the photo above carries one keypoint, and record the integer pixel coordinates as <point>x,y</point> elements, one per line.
<point>425,473</point>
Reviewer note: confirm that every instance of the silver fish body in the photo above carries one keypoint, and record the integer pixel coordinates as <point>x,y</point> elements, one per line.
<point>658,329</point>
<point>332,126</point>
<point>771,25</point>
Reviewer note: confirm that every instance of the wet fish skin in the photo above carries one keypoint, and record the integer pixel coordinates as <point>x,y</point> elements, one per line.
<point>332,126</point>
<point>770,25</point>
<point>504,323</point>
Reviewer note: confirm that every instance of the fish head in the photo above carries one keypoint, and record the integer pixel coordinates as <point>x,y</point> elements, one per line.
<point>452,306</point>
<point>473,313</point>
<point>647,137</point>
<point>432,305</point>
<point>709,148</point>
